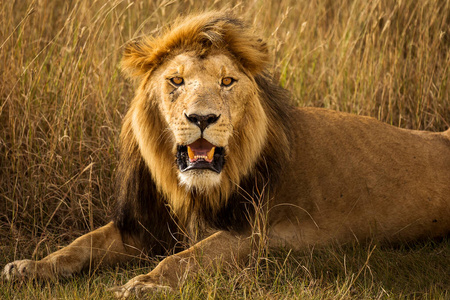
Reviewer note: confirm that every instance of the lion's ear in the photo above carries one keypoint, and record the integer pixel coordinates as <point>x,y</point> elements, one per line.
<point>251,51</point>
<point>137,59</point>
<point>258,59</point>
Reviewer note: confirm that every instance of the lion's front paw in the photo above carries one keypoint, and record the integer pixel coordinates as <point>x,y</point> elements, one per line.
<point>20,269</point>
<point>139,286</point>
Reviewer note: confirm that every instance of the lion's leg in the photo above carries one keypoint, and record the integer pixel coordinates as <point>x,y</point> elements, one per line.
<point>219,249</point>
<point>101,246</point>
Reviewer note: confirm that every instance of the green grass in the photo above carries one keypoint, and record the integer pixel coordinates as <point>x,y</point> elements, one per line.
<point>62,99</point>
<point>418,271</point>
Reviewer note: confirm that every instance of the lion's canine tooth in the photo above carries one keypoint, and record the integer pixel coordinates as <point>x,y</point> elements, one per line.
<point>210,154</point>
<point>191,153</point>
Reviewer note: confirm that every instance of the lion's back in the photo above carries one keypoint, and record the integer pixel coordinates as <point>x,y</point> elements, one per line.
<point>353,175</point>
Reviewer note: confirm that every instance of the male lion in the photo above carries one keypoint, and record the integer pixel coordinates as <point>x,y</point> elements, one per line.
<point>209,140</point>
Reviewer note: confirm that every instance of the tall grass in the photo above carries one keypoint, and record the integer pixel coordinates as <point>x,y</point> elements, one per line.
<point>62,99</point>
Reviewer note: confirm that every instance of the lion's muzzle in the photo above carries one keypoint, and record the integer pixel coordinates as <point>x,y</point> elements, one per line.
<point>202,121</point>
<point>200,155</point>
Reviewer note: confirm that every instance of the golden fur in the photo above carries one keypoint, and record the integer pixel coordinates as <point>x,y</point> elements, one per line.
<point>321,176</point>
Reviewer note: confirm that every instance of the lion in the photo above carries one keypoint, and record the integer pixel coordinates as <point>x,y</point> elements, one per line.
<point>210,142</point>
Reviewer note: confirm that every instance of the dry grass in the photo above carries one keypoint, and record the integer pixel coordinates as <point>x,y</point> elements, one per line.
<point>62,99</point>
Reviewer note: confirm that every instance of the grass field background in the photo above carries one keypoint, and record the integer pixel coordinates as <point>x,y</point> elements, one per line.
<point>62,99</point>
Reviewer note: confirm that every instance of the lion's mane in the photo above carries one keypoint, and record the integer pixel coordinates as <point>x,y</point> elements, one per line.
<point>151,196</point>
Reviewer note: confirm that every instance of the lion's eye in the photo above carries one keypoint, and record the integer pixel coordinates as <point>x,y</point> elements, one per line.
<point>227,81</point>
<point>177,81</point>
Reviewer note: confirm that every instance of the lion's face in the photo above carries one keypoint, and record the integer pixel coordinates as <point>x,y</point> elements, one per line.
<point>203,101</point>
<point>199,117</point>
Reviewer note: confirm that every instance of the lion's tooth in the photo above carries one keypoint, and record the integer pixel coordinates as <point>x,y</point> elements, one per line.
<point>210,154</point>
<point>190,153</point>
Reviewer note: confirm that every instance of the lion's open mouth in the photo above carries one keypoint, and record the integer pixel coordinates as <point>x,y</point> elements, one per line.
<point>201,154</point>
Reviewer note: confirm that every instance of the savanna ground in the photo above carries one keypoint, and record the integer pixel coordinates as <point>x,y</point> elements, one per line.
<point>62,99</point>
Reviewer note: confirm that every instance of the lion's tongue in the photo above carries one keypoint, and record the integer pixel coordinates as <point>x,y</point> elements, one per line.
<point>201,149</point>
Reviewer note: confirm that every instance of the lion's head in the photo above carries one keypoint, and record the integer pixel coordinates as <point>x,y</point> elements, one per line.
<point>200,117</point>
<point>204,103</point>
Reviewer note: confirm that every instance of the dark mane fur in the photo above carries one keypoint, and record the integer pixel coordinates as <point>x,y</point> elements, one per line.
<point>141,212</point>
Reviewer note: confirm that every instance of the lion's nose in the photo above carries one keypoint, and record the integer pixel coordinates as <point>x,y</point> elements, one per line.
<point>202,121</point>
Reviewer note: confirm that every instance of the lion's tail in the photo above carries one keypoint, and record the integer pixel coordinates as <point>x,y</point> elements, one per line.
<point>447,133</point>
